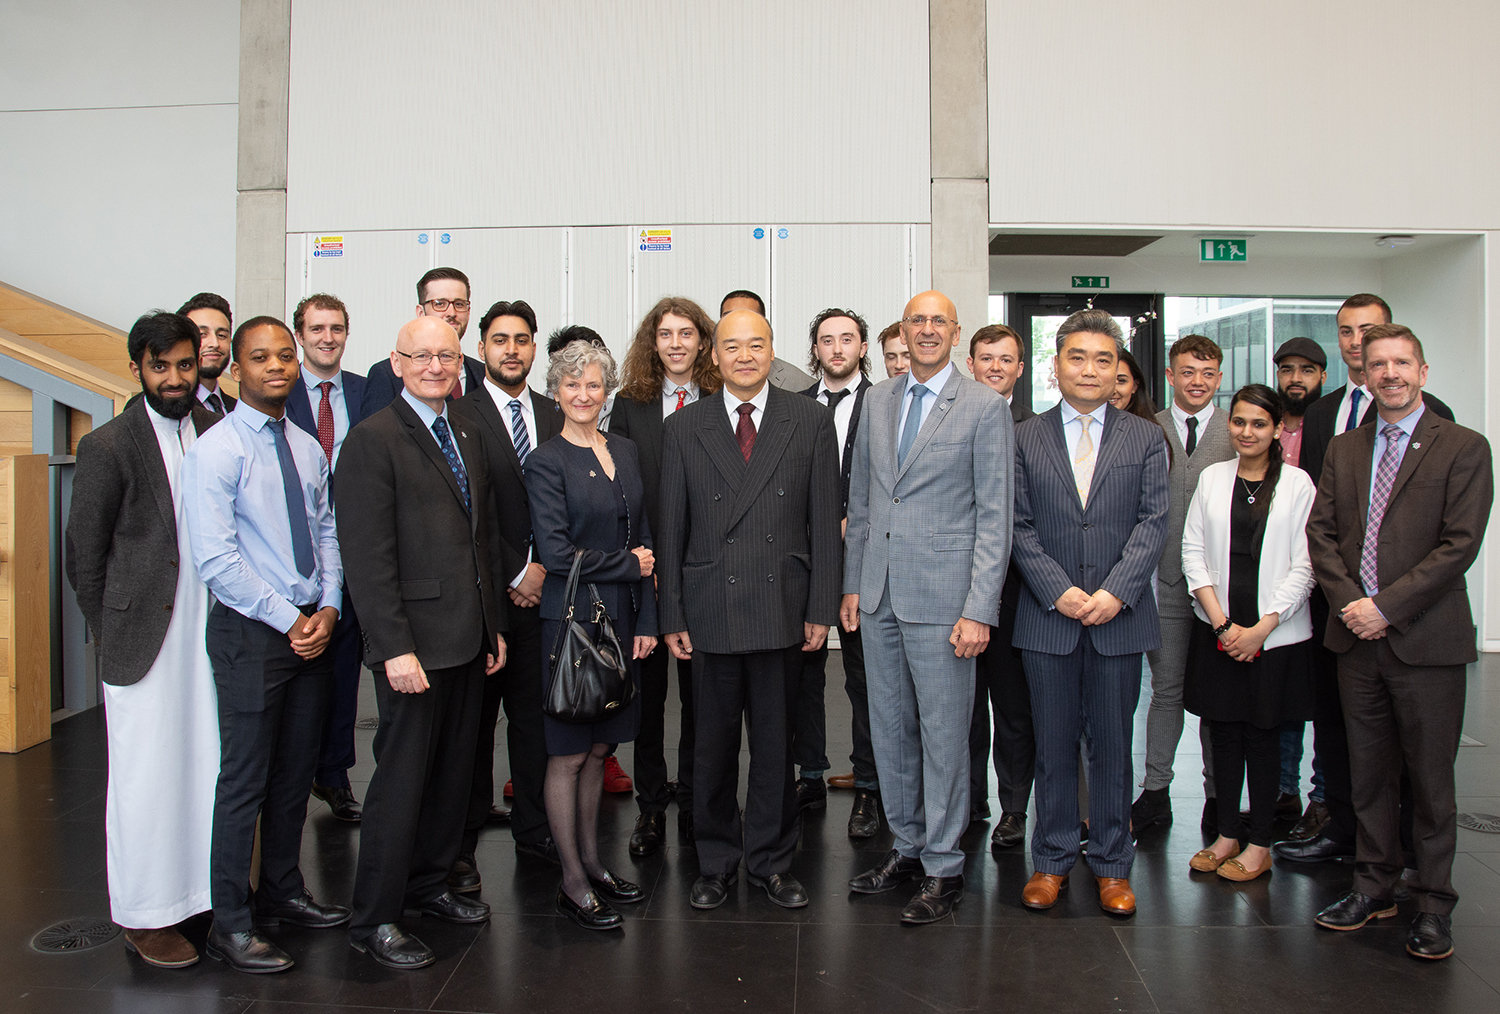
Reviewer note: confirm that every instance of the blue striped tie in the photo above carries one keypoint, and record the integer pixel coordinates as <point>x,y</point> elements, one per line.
<point>518,432</point>
<point>440,429</point>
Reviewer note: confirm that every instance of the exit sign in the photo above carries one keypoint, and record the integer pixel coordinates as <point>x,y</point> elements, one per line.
<point>1090,281</point>
<point>1223,249</point>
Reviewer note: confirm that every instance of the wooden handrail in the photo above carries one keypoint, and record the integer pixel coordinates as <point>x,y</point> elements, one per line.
<point>85,375</point>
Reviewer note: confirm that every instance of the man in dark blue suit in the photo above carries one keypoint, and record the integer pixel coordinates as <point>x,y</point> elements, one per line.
<point>1090,523</point>
<point>326,402</point>
<point>441,292</point>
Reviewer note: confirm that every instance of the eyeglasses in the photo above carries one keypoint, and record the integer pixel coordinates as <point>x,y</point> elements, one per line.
<point>920,321</point>
<point>442,304</point>
<point>426,358</point>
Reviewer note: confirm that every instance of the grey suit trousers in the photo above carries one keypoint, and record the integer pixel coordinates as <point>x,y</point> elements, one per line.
<point>921,705</point>
<point>1164,720</point>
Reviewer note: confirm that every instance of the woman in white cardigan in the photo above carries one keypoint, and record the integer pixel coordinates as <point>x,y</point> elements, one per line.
<point>1244,554</point>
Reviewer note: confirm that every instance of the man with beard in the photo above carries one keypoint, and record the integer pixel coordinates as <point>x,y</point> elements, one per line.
<point>444,293</point>
<point>127,560</point>
<point>1301,368</point>
<point>210,312</point>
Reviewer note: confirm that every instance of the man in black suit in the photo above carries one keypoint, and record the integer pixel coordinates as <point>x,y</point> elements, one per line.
<point>210,312</point>
<point>996,360</point>
<point>414,493</point>
<point>325,402</point>
<point>444,293</point>
<point>749,579</point>
<point>840,359</point>
<point>515,421</point>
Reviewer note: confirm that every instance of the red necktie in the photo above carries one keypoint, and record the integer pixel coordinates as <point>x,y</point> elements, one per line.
<point>681,397</point>
<point>325,422</point>
<point>744,432</point>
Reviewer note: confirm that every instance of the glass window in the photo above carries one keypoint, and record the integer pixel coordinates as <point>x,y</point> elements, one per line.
<point>1250,330</point>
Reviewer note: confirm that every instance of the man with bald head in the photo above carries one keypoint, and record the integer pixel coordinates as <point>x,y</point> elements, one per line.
<point>925,558</point>
<point>430,584</point>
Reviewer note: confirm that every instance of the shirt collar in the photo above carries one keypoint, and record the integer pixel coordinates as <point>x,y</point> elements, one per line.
<point>759,401</point>
<point>1408,424</point>
<point>425,413</point>
<point>161,422</point>
<point>503,400</point>
<point>1203,415</point>
<point>252,419</point>
<point>312,380</point>
<point>934,383</point>
<point>669,386</point>
<point>1069,413</point>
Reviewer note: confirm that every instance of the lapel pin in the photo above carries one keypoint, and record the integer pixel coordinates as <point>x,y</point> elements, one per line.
<point>592,473</point>
<point>1416,445</point>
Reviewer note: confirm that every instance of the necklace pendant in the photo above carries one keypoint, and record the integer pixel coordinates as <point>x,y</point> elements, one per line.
<point>1250,499</point>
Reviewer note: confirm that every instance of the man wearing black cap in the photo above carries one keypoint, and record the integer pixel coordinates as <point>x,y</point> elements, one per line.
<point>1301,368</point>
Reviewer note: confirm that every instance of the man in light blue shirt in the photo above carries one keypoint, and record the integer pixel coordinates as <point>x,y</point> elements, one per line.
<point>263,539</point>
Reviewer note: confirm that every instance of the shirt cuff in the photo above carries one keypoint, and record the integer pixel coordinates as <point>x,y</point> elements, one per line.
<point>283,615</point>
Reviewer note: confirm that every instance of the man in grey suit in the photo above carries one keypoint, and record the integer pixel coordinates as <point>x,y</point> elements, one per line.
<point>783,374</point>
<point>925,556</point>
<point>1199,436</point>
<point>757,474</point>
<point>1091,518</point>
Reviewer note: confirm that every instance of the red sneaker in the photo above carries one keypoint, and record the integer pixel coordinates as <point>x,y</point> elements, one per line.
<point>509,791</point>
<point>615,778</point>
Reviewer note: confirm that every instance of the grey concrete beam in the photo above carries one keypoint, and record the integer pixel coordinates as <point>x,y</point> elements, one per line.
<point>960,250</point>
<point>260,254</point>
<point>265,84</point>
<point>959,90</point>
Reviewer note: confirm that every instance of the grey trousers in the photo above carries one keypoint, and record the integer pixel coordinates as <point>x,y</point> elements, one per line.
<point>1168,667</point>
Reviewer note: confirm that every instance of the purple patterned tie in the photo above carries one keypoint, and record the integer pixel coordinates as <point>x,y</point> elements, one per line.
<point>1380,497</point>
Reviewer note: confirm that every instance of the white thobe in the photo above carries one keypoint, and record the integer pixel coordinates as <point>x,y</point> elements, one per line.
<point>164,750</point>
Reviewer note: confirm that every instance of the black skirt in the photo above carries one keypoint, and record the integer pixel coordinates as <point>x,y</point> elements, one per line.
<point>1266,691</point>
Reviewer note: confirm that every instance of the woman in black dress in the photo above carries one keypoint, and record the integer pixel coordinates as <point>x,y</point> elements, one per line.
<point>1244,547</point>
<point>585,493</point>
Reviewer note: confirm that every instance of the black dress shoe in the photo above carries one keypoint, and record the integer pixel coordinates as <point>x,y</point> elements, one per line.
<point>1353,910</point>
<point>1209,824</point>
<point>1321,849</point>
<point>711,890</point>
<point>812,793</point>
<point>864,816</point>
<point>893,871</point>
<point>934,901</point>
<point>1431,936</point>
<point>302,911</point>
<point>685,826</point>
<point>499,815</point>
<point>1010,832</point>
<point>247,952</point>
<point>649,834</point>
<point>464,877</point>
<point>1151,807</point>
<point>617,889</point>
<point>593,914</point>
<point>1311,824</point>
<point>783,889</point>
<point>451,907</point>
<point>545,849</point>
<point>340,800</point>
<point>391,947</point>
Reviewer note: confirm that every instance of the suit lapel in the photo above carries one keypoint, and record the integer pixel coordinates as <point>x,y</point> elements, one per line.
<point>846,458</point>
<point>775,433</point>
<point>144,433</point>
<point>425,440</point>
<point>1109,448</point>
<point>1421,442</point>
<point>718,441</point>
<point>1057,443</point>
<point>1366,435</point>
<point>930,425</point>
<point>489,414</point>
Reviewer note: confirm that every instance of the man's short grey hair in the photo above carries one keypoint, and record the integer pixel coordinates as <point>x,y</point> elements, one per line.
<point>1094,322</point>
<point>573,358</point>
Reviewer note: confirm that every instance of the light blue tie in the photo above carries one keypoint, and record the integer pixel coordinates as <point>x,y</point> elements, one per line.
<point>296,506</point>
<point>913,423</point>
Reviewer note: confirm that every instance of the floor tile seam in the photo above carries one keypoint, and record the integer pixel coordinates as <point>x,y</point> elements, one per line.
<point>1477,974</point>
<point>1133,967</point>
<point>796,967</point>
<point>468,949</point>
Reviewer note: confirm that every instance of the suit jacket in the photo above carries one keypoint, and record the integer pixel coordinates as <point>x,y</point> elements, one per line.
<point>1182,478</point>
<point>229,402</point>
<point>513,520</point>
<point>641,422</point>
<point>122,541</point>
<point>788,377</point>
<point>1321,422</point>
<point>748,552</point>
<point>428,574</point>
<point>1113,544</point>
<point>300,411</point>
<point>1434,523</point>
<point>382,385</point>
<point>935,531</point>
<point>1010,593</point>
<point>846,453</point>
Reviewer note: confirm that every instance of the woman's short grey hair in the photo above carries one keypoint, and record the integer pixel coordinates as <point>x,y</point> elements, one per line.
<point>573,358</point>
<point>1094,322</point>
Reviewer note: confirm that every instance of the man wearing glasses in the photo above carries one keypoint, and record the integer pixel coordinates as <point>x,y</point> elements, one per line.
<point>442,292</point>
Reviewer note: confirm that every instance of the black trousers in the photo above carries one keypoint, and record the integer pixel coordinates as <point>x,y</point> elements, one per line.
<point>650,743</point>
<point>1330,738</point>
<point>810,732</point>
<point>1243,753</point>
<point>336,756</point>
<point>415,807</point>
<point>272,704</point>
<point>1000,684</point>
<point>759,689</point>
<point>518,685</point>
<point>810,715</point>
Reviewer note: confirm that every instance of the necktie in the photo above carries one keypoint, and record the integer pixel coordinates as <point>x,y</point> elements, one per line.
<point>681,393</point>
<point>1083,461</point>
<point>518,432</point>
<point>296,507</point>
<point>913,423</point>
<point>744,430</point>
<point>834,397</point>
<point>1380,497</point>
<point>445,441</point>
<point>1192,440</point>
<point>214,404</point>
<point>325,421</point>
<point>1353,419</point>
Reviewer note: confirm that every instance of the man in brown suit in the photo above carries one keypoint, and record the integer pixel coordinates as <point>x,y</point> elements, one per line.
<point>1401,511</point>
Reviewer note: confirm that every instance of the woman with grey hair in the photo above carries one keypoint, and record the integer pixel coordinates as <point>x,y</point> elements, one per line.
<point>585,491</point>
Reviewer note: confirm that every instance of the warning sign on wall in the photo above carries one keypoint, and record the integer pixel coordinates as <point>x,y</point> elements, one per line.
<point>328,246</point>
<point>656,240</point>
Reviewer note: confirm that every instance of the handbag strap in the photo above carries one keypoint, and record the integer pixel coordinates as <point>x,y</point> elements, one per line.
<point>572,589</point>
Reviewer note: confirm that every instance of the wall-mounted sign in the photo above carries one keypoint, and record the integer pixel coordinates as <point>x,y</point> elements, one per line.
<point>656,240</point>
<point>328,246</point>
<point>1091,281</point>
<point>1223,249</point>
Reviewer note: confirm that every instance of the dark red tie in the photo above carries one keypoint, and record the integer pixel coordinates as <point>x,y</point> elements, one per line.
<point>325,422</point>
<point>745,431</point>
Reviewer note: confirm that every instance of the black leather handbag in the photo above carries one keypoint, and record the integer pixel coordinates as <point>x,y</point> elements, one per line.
<point>590,673</point>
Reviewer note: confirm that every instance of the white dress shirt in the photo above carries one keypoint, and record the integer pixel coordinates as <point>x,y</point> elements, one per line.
<point>843,413</point>
<point>934,385</point>
<point>1180,418</point>
<point>732,404</point>
<point>1073,429</point>
<point>174,437</point>
<point>1343,416</point>
<point>335,402</point>
<point>502,405</point>
<point>669,389</point>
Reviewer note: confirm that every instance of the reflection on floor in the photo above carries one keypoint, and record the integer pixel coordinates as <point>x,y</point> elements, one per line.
<point>1197,944</point>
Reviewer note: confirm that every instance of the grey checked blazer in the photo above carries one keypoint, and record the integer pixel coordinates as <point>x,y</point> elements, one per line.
<point>938,528</point>
<point>1113,544</point>
<point>1213,446</point>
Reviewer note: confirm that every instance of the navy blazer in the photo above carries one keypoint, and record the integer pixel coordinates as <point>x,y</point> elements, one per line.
<point>382,385</point>
<point>1113,544</point>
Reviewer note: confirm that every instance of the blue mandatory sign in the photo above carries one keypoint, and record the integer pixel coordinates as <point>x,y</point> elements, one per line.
<point>759,233</point>
<point>445,237</point>
<point>782,233</point>
<point>421,237</point>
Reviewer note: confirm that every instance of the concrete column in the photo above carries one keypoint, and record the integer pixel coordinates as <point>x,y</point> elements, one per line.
<point>260,226</point>
<point>960,158</point>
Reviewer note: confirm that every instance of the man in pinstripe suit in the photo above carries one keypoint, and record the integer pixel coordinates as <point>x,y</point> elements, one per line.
<point>925,556</point>
<point>1090,522</point>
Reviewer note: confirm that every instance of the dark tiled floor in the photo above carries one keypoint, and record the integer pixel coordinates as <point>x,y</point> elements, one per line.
<point>1196,944</point>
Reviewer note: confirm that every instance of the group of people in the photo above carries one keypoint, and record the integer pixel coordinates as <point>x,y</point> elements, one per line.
<point>993,577</point>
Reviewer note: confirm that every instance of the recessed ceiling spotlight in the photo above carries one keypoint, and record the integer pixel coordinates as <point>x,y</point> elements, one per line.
<point>1392,242</point>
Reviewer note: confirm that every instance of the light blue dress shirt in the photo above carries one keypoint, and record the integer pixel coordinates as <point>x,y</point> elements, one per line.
<point>335,402</point>
<point>934,385</point>
<point>1073,429</point>
<point>237,519</point>
<point>1408,426</point>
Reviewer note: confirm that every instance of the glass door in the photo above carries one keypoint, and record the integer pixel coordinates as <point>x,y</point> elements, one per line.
<point>1038,315</point>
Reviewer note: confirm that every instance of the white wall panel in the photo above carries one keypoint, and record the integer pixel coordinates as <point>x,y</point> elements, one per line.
<point>577,112</point>
<point>601,282</point>
<point>509,264</point>
<point>376,277</point>
<point>705,262</point>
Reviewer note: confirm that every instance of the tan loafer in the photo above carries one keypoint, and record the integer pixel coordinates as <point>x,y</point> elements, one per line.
<point>1115,895</point>
<point>1233,869</point>
<point>1204,860</point>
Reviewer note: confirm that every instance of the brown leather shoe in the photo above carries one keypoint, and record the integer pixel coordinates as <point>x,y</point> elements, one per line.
<point>841,781</point>
<point>164,948</point>
<point>1115,895</point>
<point>1042,889</point>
